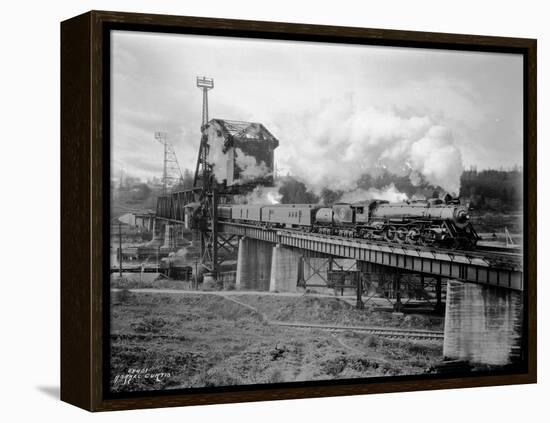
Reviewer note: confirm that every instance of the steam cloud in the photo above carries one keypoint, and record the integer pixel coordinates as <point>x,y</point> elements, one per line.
<point>217,158</point>
<point>389,193</point>
<point>264,195</point>
<point>337,143</point>
<point>250,168</point>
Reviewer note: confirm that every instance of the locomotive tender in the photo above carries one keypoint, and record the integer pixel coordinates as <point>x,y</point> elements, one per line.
<point>431,223</point>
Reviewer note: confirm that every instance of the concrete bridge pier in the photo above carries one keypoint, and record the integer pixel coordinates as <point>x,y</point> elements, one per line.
<point>285,267</point>
<point>173,237</point>
<point>169,237</point>
<point>253,264</point>
<point>158,229</point>
<point>149,223</point>
<point>483,324</point>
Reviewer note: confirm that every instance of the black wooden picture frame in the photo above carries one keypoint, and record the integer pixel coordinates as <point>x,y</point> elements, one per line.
<point>85,189</point>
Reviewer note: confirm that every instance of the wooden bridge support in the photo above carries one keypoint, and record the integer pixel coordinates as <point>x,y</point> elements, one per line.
<point>483,324</point>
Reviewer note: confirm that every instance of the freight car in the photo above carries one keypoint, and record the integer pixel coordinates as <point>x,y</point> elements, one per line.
<point>289,215</point>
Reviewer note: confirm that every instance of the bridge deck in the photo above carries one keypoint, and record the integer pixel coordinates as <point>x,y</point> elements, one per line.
<point>497,269</point>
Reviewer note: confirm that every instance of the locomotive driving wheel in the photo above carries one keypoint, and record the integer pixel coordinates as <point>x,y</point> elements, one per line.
<point>413,236</point>
<point>401,234</point>
<point>390,233</point>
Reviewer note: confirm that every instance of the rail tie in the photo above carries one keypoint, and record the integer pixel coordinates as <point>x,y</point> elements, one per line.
<point>395,333</point>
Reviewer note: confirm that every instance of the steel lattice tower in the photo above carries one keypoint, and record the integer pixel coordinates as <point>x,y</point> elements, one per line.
<point>171,172</point>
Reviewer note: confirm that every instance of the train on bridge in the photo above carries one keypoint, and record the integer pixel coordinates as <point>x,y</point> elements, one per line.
<point>434,222</point>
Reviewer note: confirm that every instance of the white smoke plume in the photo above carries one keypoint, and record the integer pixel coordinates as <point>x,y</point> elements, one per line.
<point>249,166</point>
<point>216,157</point>
<point>337,143</point>
<point>264,195</point>
<point>389,193</point>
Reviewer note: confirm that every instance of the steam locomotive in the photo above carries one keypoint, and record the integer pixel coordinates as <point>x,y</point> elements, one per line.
<point>434,222</point>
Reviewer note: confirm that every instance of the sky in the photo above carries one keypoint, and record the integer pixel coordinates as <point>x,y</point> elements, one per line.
<point>337,110</point>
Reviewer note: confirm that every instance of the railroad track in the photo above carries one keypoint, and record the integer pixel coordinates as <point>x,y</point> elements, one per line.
<point>489,254</point>
<point>497,249</point>
<point>395,333</point>
<point>482,251</point>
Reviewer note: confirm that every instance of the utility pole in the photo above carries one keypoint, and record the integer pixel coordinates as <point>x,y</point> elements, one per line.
<point>196,274</point>
<point>120,249</point>
<point>121,182</point>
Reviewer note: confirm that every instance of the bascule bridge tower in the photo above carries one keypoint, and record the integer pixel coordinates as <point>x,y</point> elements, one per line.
<point>248,150</point>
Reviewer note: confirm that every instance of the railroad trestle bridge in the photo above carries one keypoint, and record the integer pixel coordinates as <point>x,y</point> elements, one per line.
<point>495,269</point>
<point>480,291</point>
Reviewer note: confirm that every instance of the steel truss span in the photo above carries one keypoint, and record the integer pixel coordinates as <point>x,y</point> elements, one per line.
<point>496,269</point>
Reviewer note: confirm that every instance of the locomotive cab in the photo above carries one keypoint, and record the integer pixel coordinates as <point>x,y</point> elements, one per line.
<point>363,210</point>
<point>361,213</point>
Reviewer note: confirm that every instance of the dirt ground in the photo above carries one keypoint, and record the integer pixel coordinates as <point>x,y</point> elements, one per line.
<point>173,341</point>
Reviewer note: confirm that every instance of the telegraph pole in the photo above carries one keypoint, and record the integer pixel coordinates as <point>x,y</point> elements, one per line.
<point>196,274</point>
<point>120,249</point>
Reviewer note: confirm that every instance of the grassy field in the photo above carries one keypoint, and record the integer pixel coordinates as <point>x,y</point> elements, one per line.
<point>170,341</point>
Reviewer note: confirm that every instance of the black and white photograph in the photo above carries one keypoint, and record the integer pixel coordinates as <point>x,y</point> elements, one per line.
<point>287,212</point>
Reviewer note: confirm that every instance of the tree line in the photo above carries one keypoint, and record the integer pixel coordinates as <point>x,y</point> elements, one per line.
<point>493,190</point>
